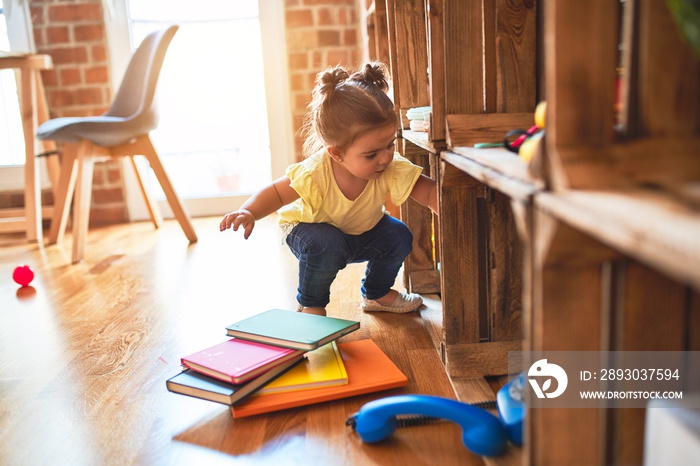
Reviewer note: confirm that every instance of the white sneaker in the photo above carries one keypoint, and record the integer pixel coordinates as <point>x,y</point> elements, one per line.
<point>402,304</point>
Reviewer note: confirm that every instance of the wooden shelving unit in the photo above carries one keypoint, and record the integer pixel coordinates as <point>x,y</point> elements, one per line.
<point>600,251</point>
<point>474,64</point>
<point>614,247</point>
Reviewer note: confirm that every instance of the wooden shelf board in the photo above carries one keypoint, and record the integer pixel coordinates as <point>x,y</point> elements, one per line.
<point>479,359</point>
<point>652,227</point>
<point>421,140</point>
<point>496,168</point>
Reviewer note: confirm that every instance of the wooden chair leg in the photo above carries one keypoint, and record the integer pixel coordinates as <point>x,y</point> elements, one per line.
<point>32,189</point>
<point>52,161</point>
<point>170,194</point>
<point>81,203</point>
<point>151,205</point>
<point>53,167</point>
<point>63,192</point>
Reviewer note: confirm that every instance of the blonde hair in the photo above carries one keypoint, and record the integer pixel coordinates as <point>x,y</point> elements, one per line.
<point>344,106</point>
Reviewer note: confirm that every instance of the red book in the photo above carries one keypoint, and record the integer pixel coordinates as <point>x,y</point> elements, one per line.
<point>237,361</point>
<point>369,370</point>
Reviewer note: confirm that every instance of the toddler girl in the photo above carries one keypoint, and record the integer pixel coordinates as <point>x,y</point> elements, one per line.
<point>331,205</point>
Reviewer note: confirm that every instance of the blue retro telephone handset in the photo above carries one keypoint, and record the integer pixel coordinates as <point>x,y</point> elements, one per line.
<point>482,432</point>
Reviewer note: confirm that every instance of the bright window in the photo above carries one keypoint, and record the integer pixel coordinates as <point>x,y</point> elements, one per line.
<point>11,137</point>
<point>15,36</point>
<point>225,128</point>
<point>213,132</point>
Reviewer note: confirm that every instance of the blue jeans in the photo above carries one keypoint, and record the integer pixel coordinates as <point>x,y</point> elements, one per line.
<point>323,250</point>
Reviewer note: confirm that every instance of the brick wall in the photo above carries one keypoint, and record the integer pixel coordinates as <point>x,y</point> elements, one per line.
<point>320,33</point>
<point>73,33</point>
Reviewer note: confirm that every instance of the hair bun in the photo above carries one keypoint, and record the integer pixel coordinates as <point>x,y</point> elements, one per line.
<point>373,74</point>
<point>327,81</point>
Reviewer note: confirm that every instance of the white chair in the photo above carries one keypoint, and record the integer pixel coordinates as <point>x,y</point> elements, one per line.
<point>123,131</point>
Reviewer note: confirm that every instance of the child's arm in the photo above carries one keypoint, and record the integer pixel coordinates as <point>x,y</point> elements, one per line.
<point>425,192</point>
<point>260,205</point>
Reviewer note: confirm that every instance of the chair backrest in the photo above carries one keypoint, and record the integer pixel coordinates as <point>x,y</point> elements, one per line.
<point>134,99</point>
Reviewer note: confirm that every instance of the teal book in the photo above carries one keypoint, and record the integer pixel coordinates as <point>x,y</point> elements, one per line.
<point>289,329</point>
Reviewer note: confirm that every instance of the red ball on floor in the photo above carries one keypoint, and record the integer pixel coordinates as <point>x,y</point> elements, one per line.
<point>23,275</point>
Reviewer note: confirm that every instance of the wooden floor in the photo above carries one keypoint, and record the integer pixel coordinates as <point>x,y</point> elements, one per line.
<point>86,350</point>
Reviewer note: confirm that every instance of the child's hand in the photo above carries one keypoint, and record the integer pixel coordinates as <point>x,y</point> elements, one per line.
<point>237,218</point>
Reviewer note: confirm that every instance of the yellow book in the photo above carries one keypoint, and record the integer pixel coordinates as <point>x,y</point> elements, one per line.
<point>323,367</point>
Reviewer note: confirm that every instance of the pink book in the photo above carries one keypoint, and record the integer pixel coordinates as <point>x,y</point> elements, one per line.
<point>237,361</point>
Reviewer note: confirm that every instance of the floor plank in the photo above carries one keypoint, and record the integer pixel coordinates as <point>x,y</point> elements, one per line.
<point>86,350</point>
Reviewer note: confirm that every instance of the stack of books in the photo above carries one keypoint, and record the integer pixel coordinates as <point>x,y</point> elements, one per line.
<point>282,359</point>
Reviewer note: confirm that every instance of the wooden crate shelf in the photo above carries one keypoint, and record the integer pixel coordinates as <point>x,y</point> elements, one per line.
<point>421,269</point>
<point>498,168</point>
<point>604,248</point>
<point>649,226</point>
<point>422,140</point>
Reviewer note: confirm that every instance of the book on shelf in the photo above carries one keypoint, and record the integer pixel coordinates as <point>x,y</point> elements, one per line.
<point>322,367</point>
<point>369,370</point>
<point>237,361</point>
<point>194,384</point>
<point>290,329</point>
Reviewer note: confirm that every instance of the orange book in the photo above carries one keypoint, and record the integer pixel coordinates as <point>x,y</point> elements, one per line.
<point>369,370</point>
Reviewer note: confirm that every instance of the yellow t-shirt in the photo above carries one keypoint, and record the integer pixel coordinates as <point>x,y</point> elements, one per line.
<point>321,200</point>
